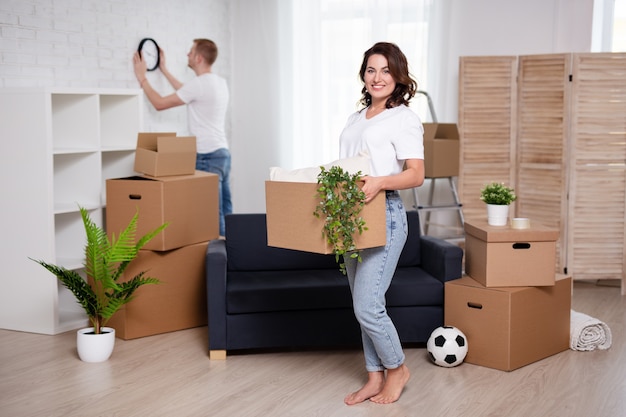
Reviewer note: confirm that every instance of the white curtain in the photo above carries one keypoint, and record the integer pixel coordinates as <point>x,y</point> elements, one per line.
<point>329,38</point>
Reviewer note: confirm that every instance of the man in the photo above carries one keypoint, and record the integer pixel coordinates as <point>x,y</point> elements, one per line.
<point>206,97</point>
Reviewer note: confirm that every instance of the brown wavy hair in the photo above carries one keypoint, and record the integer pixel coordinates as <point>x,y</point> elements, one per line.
<point>406,86</point>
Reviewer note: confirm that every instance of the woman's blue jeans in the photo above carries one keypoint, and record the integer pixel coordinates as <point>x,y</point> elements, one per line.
<point>369,281</point>
<point>218,162</point>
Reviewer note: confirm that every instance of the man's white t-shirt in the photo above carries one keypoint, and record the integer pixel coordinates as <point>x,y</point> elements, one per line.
<point>207,98</point>
<point>389,138</point>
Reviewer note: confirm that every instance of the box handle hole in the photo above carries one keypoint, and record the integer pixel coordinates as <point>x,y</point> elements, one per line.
<point>475,305</point>
<point>521,246</point>
<point>134,196</point>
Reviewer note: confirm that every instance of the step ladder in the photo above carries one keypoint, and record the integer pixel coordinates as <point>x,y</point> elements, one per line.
<point>424,211</point>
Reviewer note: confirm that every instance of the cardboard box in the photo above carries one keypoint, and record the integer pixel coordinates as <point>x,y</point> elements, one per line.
<point>510,327</point>
<point>441,150</point>
<point>499,256</point>
<point>164,154</point>
<point>177,302</point>
<point>189,203</point>
<point>292,225</point>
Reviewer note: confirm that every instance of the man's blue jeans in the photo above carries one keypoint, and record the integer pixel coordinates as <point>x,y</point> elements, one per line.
<point>218,162</point>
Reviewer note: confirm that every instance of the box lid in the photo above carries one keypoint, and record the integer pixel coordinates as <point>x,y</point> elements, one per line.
<point>440,131</point>
<point>166,143</point>
<point>168,179</point>
<point>149,140</point>
<point>480,229</point>
<point>467,281</point>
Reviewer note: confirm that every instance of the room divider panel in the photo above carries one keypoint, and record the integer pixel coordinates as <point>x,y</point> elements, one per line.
<point>554,127</point>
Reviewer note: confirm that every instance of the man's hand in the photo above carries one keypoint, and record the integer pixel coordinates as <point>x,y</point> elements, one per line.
<point>162,65</point>
<point>140,67</point>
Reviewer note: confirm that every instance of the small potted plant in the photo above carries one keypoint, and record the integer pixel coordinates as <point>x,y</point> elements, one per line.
<point>498,197</point>
<point>341,202</point>
<point>102,294</point>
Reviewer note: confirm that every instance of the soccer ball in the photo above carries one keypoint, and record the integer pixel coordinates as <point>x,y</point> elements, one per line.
<point>447,346</point>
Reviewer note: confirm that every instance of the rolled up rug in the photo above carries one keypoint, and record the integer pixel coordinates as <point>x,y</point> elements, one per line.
<point>588,333</point>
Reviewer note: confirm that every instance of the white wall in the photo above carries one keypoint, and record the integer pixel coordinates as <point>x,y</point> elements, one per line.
<point>510,27</point>
<point>90,43</point>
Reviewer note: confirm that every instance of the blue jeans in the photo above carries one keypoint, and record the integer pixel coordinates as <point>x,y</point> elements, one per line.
<point>218,162</point>
<point>369,281</point>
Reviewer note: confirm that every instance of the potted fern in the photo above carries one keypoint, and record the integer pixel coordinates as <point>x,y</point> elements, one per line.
<point>498,197</point>
<point>102,294</point>
<point>340,205</point>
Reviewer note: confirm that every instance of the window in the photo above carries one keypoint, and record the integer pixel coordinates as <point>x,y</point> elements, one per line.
<point>329,39</point>
<point>619,27</point>
<point>609,26</point>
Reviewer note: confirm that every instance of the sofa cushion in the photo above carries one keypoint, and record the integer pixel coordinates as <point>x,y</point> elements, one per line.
<point>246,245</point>
<point>412,286</point>
<point>410,255</point>
<point>265,291</point>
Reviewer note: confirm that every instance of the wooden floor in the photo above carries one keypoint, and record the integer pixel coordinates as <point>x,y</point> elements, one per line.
<point>171,375</point>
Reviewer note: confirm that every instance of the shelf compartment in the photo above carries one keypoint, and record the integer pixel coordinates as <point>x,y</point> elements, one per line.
<point>71,314</point>
<point>75,122</point>
<point>119,121</point>
<point>76,181</point>
<point>70,237</point>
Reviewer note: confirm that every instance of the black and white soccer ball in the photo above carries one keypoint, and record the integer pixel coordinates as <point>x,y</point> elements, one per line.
<point>447,346</point>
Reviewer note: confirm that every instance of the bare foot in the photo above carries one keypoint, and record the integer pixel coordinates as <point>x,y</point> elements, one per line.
<point>373,386</point>
<point>394,384</point>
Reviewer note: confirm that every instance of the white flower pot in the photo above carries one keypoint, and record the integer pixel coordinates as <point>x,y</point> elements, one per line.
<point>95,347</point>
<point>497,215</point>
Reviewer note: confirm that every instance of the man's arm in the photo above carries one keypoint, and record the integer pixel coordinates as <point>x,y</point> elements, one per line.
<point>172,80</point>
<point>159,102</point>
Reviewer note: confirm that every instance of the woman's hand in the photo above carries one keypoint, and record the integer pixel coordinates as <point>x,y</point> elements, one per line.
<point>371,187</point>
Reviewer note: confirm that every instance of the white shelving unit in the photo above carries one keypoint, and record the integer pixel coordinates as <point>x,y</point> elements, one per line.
<point>59,146</point>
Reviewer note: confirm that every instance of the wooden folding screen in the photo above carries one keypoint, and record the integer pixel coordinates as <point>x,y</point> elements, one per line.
<point>596,216</point>
<point>487,105</point>
<point>554,126</point>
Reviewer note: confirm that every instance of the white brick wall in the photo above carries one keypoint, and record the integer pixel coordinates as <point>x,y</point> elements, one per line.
<point>90,43</point>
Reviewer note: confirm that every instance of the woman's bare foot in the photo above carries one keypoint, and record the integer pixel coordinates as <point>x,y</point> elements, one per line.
<point>394,384</point>
<point>373,386</point>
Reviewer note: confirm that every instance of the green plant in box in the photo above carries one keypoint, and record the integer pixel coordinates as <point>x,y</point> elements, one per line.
<point>341,202</point>
<point>105,261</point>
<point>497,193</point>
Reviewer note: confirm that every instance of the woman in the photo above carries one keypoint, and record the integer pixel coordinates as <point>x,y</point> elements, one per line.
<point>393,137</point>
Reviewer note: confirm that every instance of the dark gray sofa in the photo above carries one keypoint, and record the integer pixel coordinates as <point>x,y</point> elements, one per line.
<point>264,297</point>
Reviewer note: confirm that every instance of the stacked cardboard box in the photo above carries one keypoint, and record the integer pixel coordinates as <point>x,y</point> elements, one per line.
<point>441,150</point>
<point>165,192</point>
<point>511,305</point>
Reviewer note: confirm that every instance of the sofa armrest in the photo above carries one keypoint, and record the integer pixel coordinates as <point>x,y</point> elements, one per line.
<point>216,265</point>
<point>440,258</point>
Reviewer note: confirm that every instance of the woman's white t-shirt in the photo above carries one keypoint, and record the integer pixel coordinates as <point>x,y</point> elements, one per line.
<point>389,138</point>
<point>207,98</point>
